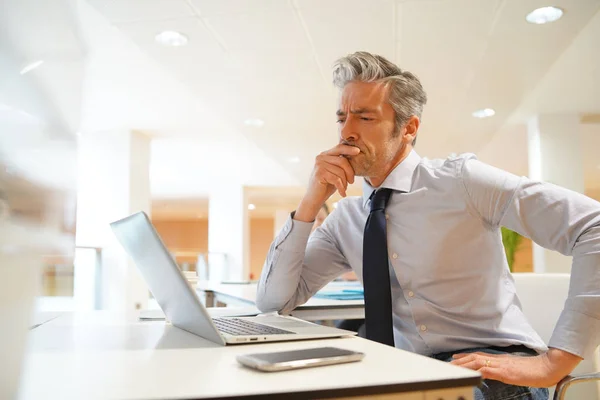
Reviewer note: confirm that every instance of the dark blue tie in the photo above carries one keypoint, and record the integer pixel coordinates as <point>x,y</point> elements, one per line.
<point>376,275</point>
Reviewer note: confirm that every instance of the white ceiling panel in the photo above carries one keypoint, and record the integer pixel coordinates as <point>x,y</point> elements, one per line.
<point>444,53</point>
<point>139,10</point>
<point>296,125</point>
<point>517,56</point>
<point>220,7</point>
<point>125,87</point>
<point>267,32</point>
<point>202,50</point>
<point>570,76</point>
<point>278,89</point>
<point>341,27</point>
<point>24,23</point>
<point>200,62</point>
<point>277,73</point>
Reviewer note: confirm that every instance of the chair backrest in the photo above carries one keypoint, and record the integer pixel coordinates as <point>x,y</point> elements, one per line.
<point>542,299</point>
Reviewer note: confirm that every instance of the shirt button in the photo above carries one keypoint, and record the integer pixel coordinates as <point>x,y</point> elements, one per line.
<point>423,328</point>
<point>410,294</point>
<point>394,256</point>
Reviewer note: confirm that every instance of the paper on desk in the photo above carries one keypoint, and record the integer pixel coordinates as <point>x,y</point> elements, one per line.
<point>345,294</point>
<point>158,315</point>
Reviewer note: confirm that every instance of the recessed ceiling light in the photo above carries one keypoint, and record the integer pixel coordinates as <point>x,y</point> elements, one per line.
<point>31,67</point>
<point>294,160</point>
<point>255,122</point>
<point>484,113</point>
<point>171,38</point>
<point>251,207</point>
<point>544,15</point>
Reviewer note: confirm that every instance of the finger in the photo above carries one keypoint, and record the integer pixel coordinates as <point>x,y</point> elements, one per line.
<point>340,166</point>
<point>342,163</point>
<point>333,179</point>
<point>492,355</point>
<point>342,150</point>
<point>475,365</point>
<point>475,361</point>
<point>478,353</point>
<point>334,169</point>
<point>460,355</point>
<point>495,374</point>
<point>463,358</point>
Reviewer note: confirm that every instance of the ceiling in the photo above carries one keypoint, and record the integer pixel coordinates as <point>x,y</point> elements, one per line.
<point>271,59</point>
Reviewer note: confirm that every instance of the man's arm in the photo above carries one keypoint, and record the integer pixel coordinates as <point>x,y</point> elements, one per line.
<point>298,265</point>
<point>297,268</point>
<point>557,219</point>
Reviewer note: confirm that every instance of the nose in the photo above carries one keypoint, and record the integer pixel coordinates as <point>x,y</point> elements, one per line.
<point>348,131</point>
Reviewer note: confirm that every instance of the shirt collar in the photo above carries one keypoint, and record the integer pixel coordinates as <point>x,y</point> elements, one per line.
<point>399,179</point>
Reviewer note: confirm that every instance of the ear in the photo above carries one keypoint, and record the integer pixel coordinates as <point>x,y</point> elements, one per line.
<point>410,129</point>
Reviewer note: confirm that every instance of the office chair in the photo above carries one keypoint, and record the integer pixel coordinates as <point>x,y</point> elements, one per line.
<point>542,298</point>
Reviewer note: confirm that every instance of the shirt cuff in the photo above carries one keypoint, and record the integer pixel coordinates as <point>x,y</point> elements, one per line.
<point>576,333</point>
<point>294,235</point>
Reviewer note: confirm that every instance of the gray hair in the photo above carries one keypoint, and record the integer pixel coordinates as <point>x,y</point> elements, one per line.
<point>406,95</point>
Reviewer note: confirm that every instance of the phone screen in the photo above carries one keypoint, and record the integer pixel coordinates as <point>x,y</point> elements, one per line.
<point>307,354</point>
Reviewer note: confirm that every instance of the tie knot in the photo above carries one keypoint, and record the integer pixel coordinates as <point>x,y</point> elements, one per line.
<point>379,199</point>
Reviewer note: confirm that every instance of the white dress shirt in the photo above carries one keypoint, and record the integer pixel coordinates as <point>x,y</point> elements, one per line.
<point>451,285</point>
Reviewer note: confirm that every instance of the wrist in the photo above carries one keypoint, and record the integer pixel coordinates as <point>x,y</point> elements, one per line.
<point>307,211</point>
<point>562,361</point>
<point>562,356</point>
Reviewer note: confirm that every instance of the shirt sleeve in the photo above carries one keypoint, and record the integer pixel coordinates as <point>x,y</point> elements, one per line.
<point>557,219</point>
<point>298,265</point>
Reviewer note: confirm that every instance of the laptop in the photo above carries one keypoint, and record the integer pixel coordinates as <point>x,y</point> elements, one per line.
<point>182,306</point>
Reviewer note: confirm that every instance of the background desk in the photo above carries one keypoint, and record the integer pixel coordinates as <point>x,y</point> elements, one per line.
<point>99,356</point>
<point>244,295</point>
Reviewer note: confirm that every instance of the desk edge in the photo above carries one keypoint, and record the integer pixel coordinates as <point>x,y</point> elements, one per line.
<point>360,391</point>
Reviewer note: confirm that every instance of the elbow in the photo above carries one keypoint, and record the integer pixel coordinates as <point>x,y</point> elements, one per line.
<point>265,307</point>
<point>264,302</point>
<point>269,301</point>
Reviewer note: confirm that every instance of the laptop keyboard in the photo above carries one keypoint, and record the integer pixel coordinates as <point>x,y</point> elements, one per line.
<point>242,327</point>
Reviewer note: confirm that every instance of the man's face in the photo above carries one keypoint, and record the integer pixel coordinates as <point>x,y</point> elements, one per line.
<point>366,120</point>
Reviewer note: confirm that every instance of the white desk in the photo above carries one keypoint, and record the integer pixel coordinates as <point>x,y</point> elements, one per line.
<point>244,295</point>
<point>40,318</point>
<point>99,356</point>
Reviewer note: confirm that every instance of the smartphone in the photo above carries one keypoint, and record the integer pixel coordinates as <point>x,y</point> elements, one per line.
<point>286,360</point>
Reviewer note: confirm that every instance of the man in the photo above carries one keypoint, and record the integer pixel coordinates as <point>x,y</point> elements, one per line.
<point>320,218</point>
<point>425,239</point>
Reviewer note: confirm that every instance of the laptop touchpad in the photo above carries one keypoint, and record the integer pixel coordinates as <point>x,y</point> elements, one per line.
<point>282,323</point>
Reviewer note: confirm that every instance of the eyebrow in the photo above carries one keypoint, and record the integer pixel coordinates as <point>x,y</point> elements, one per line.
<point>341,113</point>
